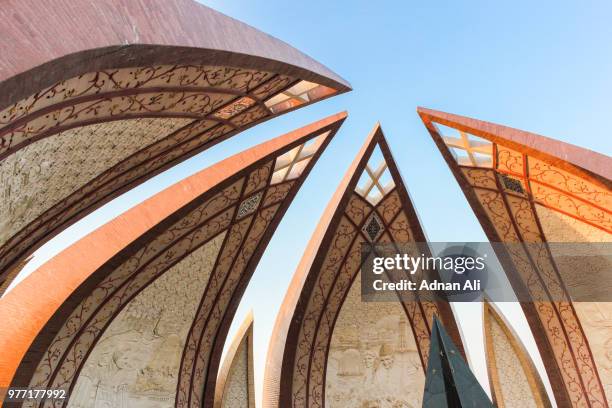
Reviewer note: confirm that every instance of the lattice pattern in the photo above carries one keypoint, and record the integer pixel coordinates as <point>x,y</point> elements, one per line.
<point>249,205</point>
<point>301,93</point>
<point>512,184</point>
<point>290,165</point>
<point>373,228</point>
<point>376,180</point>
<point>520,179</point>
<point>470,150</point>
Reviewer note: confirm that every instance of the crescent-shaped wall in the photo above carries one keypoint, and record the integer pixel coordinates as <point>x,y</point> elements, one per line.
<point>236,382</point>
<point>96,98</point>
<point>529,190</point>
<point>140,308</point>
<point>327,341</point>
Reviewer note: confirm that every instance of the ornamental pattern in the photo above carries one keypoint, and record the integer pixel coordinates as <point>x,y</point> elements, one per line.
<point>237,80</point>
<point>511,209</point>
<point>193,105</point>
<point>203,342</point>
<point>66,355</point>
<point>207,101</point>
<point>338,272</point>
<point>237,387</point>
<point>513,377</point>
<point>64,163</point>
<point>63,358</point>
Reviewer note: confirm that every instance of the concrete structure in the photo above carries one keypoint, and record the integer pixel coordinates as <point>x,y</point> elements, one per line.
<point>97,97</point>
<point>527,191</point>
<point>329,348</point>
<point>513,377</point>
<point>138,310</point>
<point>236,383</point>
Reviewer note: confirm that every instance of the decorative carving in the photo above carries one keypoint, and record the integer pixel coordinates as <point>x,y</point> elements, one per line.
<point>512,218</point>
<point>373,228</point>
<point>373,358</point>
<point>249,205</point>
<point>181,110</point>
<point>110,311</point>
<point>64,357</point>
<point>67,161</point>
<point>514,379</point>
<point>134,364</point>
<point>337,275</point>
<point>235,386</point>
<point>234,108</point>
<point>142,78</point>
<point>512,184</point>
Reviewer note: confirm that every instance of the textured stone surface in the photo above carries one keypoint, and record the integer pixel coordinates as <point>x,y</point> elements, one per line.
<point>373,356</point>
<point>236,393</point>
<point>596,317</point>
<point>513,381</point>
<point>136,361</point>
<point>38,176</point>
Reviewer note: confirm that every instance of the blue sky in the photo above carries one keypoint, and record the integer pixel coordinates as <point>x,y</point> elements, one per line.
<point>538,66</point>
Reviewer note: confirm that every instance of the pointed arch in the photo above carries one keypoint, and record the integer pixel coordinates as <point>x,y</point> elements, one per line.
<point>533,191</point>
<point>236,384</point>
<point>86,115</point>
<point>513,377</point>
<point>132,295</point>
<point>299,355</point>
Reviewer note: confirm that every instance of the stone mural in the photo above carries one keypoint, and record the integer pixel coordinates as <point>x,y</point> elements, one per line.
<point>373,361</point>
<point>137,360</point>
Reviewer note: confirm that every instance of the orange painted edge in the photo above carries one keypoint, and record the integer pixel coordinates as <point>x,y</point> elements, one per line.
<point>582,162</point>
<point>28,306</point>
<point>276,348</point>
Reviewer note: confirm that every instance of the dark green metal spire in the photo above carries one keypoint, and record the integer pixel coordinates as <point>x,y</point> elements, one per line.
<point>450,382</point>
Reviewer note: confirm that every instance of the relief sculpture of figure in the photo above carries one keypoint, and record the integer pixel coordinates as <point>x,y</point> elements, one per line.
<point>389,379</point>
<point>115,368</point>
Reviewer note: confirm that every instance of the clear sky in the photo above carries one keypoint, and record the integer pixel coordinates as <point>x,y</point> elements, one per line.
<point>540,66</point>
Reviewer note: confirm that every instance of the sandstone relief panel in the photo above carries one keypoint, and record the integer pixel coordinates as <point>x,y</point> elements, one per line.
<point>373,359</point>
<point>595,317</point>
<point>136,362</point>
<point>41,174</point>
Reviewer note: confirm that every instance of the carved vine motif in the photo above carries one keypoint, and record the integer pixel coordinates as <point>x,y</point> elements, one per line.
<point>480,177</point>
<point>537,271</point>
<point>568,204</point>
<point>560,179</point>
<point>341,242</point>
<point>203,341</point>
<point>186,104</point>
<point>240,248</point>
<point>96,83</point>
<point>509,160</point>
<point>144,162</point>
<point>338,271</point>
<point>64,356</point>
